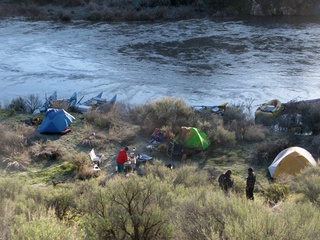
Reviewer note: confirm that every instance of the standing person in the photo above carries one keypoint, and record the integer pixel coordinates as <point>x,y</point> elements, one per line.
<point>122,158</point>
<point>251,180</point>
<point>225,181</point>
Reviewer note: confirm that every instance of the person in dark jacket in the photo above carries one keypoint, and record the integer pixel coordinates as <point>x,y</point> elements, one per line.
<point>225,181</point>
<point>251,180</point>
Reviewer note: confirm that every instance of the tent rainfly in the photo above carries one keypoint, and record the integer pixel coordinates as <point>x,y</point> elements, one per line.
<point>191,137</point>
<point>56,121</point>
<point>291,161</point>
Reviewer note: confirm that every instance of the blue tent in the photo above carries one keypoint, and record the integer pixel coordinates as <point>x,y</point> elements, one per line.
<point>56,121</point>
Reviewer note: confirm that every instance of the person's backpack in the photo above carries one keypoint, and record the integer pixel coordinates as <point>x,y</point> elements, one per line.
<point>222,181</point>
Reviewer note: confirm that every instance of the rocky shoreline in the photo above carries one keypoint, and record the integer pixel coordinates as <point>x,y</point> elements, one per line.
<point>100,12</point>
<point>103,11</point>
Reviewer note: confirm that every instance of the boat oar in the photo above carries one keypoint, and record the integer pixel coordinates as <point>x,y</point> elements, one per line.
<point>80,99</point>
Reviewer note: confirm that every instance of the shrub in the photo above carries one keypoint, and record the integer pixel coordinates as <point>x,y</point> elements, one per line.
<point>86,172</point>
<point>202,214</point>
<point>222,137</point>
<point>12,112</point>
<point>235,120</point>
<point>135,208</point>
<point>100,120</point>
<point>18,104</point>
<point>290,122</point>
<point>115,120</point>
<point>239,186</point>
<point>94,139</point>
<point>80,160</point>
<point>270,122</point>
<point>292,215</point>
<point>13,143</point>
<point>235,112</point>
<point>188,177</point>
<point>163,112</point>
<point>158,171</point>
<point>61,200</point>
<point>254,133</point>
<point>266,152</point>
<point>310,117</point>
<point>45,227</point>
<point>307,183</point>
<point>316,143</point>
<point>276,192</point>
<point>48,151</point>
<point>300,117</point>
<point>10,188</point>
<point>212,125</point>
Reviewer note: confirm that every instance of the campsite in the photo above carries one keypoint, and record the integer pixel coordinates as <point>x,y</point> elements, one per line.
<point>54,171</point>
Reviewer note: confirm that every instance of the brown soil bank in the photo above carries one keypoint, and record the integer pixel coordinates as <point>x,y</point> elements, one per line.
<point>145,10</point>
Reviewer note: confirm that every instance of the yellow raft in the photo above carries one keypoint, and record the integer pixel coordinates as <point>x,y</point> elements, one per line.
<point>269,109</point>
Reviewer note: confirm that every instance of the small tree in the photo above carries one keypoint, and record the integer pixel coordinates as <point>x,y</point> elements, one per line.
<point>32,102</point>
<point>18,104</point>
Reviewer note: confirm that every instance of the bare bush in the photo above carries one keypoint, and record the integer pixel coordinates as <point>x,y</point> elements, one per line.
<point>32,103</point>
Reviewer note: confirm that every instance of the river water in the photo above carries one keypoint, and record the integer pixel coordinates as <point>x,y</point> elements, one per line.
<point>203,61</point>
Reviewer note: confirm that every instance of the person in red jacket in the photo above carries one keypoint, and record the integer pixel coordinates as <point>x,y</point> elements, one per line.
<point>122,158</point>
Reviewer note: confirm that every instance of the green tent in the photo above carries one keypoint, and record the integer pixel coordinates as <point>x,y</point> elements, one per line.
<point>191,137</point>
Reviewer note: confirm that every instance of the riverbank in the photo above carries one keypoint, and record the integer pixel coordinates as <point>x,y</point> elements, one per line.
<point>100,11</point>
<point>52,174</point>
<point>147,10</point>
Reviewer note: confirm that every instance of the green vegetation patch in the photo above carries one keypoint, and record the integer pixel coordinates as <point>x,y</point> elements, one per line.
<point>62,172</point>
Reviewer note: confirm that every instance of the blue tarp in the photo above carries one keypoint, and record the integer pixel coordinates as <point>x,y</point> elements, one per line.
<point>56,121</point>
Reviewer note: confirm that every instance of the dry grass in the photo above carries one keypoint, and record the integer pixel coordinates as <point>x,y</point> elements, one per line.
<point>47,151</point>
<point>14,144</point>
<point>94,139</point>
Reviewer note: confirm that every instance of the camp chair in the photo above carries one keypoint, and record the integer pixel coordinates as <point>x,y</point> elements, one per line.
<point>96,159</point>
<point>175,149</point>
<point>95,167</point>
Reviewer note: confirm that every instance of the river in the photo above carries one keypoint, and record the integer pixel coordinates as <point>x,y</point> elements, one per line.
<point>203,61</point>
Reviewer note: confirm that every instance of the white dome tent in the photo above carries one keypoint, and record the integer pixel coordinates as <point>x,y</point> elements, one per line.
<point>291,161</point>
